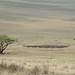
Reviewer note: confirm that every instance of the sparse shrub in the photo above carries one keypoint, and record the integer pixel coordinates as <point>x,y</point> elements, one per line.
<point>3,66</point>
<point>36,70</point>
<point>46,69</point>
<point>13,67</point>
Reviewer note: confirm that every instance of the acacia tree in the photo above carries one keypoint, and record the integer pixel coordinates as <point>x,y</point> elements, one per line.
<point>4,42</point>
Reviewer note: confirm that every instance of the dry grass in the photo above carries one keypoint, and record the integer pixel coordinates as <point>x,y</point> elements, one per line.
<point>33,24</point>
<point>28,61</point>
<point>18,60</point>
<point>33,68</point>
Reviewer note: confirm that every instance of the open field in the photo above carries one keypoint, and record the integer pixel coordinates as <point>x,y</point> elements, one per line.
<point>38,61</point>
<point>38,22</point>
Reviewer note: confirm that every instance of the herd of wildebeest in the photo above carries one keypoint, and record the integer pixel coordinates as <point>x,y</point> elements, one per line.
<point>46,46</point>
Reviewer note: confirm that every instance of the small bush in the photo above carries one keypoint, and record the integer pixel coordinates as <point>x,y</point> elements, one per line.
<point>46,69</point>
<point>12,67</point>
<point>3,66</point>
<point>36,71</point>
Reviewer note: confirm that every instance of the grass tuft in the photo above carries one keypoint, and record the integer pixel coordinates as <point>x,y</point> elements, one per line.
<point>46,69</point>
<point>36,70</point>
<point>12,67</point>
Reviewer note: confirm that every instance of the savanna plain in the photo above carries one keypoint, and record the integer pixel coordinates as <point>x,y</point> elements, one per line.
<point>38,22</point>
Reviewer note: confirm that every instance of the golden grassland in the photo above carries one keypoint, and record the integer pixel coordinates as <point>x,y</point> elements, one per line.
<point>38,23</point>
<point>19,60</point>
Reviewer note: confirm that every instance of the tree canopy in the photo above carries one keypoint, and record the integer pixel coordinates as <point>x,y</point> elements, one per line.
<point>5,37</point>
<point>5,40</point>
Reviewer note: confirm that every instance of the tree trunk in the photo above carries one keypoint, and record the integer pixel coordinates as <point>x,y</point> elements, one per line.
<point>1,51</point>
<point>3,46</point>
